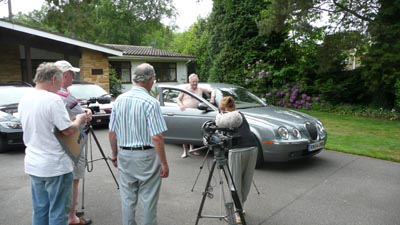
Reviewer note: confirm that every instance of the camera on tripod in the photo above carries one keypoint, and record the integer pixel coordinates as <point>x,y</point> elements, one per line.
<point>219,140</point>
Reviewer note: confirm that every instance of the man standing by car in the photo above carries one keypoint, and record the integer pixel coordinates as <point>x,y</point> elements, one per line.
<point>74,108</point>
<point>137,143</point>
<point>47,163</point>
<point>186,101</point>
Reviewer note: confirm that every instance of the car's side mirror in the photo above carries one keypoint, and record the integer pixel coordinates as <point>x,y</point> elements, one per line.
<point>203,106</point>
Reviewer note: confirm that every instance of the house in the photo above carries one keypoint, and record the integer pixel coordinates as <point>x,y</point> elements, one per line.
<point>23,48</point>
<point>170,67</point>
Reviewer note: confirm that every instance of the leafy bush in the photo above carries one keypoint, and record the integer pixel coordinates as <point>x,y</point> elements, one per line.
<point>115,83</point>
<point>259,77</point>
<point>290,97</point>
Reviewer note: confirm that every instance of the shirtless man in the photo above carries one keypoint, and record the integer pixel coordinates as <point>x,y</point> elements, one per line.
<point>186,101</point>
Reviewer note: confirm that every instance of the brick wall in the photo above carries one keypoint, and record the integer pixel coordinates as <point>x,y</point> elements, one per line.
<point>10,66</point>
<point>92,62</point>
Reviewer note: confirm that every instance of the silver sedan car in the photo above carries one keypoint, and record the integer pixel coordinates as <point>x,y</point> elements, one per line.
<point>282,134</point>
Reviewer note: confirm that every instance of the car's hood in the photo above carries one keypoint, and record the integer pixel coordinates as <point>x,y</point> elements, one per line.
<point>277,115</point>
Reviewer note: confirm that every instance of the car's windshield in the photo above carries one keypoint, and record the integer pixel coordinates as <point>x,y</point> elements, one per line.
<point>12,95</point>
<point>86,91</point>
<point>243,98</point>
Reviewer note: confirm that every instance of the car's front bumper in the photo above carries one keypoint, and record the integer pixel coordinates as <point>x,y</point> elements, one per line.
<point>280,152</point>
<point>11,140</point>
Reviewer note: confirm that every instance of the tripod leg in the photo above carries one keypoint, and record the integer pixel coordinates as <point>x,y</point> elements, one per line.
<point>235,195</point>
<point>205,192</point>
<point>201,167</point>
<point>83,179</point>
<point>83,193</point>
<point>104,157</point>
<point>255,186</point>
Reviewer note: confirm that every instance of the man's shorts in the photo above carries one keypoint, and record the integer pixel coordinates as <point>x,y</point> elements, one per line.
<point>79,168</point>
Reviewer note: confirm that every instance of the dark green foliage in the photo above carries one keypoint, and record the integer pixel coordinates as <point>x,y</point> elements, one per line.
<point>234,40</point>
<point>382,62</point>
<point>194,42</point>
<point>115,83</point>
<point>343,87</point>
<point>128,22</point>
<point>397,93</point>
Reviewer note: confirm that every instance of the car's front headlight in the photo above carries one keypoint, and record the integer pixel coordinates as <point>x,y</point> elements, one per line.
<point>283,133</point>
<point>296,133</point>
<point>321,129</point>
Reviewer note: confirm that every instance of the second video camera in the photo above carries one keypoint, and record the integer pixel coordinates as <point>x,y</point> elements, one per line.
<point>101,100</point>
<point>92,103</point>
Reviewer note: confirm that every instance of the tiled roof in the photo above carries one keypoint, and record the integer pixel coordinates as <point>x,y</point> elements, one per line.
<point>131,50</point>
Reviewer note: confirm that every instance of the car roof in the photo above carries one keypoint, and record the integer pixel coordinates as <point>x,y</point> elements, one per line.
<point>81,82</point>
<point>211,85</point>
<point>16,84</point>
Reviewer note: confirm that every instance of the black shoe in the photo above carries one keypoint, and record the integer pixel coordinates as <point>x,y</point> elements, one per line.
<point>80,214</point>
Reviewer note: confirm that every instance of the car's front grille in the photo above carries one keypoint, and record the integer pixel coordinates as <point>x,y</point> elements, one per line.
<point>312,130</point>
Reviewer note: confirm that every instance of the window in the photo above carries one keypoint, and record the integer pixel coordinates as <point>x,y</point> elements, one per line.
<point>123,70</point>
<point>165,72</point>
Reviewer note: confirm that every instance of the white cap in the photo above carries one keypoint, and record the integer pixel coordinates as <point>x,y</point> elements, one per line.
<point>65,66</point>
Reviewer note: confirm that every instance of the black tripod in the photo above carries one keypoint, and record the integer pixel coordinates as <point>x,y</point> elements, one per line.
<point>89,131</point>
<point>221,163</point>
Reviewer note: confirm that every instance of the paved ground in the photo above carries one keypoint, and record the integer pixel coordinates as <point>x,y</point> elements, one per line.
<point>331,188</point>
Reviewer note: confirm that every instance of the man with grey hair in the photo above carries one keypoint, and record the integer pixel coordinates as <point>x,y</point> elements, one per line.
<point>186,101</point>
<point>137,144</point>
<point>47,163</point>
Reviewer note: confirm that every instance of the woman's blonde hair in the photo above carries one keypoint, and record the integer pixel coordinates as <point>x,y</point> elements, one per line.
<point>227,104</point>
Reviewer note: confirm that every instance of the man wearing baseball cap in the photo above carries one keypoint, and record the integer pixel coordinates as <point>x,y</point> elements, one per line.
<point>74,109</point>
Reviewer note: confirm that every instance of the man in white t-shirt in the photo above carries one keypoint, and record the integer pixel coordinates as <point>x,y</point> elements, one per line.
<point>74,108</point>
<point>47,163</point>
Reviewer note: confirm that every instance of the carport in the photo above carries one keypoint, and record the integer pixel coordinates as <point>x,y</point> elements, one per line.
<point>23,48</point>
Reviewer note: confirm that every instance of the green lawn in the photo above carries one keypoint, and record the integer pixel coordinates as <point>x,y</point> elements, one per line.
<point>362,136</point>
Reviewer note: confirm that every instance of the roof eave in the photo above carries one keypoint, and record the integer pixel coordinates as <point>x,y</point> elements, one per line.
<point>56,37</point>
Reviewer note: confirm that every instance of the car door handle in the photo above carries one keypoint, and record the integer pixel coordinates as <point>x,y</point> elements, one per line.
<point>170,114</point>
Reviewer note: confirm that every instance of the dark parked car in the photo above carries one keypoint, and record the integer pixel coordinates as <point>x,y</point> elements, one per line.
<point>282,134</point>
<point>10,125</point>
<point>93,96</point>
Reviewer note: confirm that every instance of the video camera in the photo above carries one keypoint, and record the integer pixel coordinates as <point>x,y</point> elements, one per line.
<point>100,100</point>
<point>218,139</point>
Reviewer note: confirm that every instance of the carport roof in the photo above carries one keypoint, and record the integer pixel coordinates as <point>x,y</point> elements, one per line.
<point>30,31</point>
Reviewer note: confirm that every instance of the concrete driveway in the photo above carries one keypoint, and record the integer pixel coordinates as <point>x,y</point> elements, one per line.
<point>330,188</point>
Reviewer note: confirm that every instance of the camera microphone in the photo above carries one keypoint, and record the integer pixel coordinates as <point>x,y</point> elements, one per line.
<point>229,120</point>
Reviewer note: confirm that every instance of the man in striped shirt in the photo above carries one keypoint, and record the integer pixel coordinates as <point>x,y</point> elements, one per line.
<point>135,133</point>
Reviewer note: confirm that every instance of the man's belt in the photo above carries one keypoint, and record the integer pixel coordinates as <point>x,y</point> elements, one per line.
<point>141,148</point>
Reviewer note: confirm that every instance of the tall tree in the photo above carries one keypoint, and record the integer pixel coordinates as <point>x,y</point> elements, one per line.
<point>382,62</point>
<point>234,38</point>
<point>134,22</point>
<point>194,42</point>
